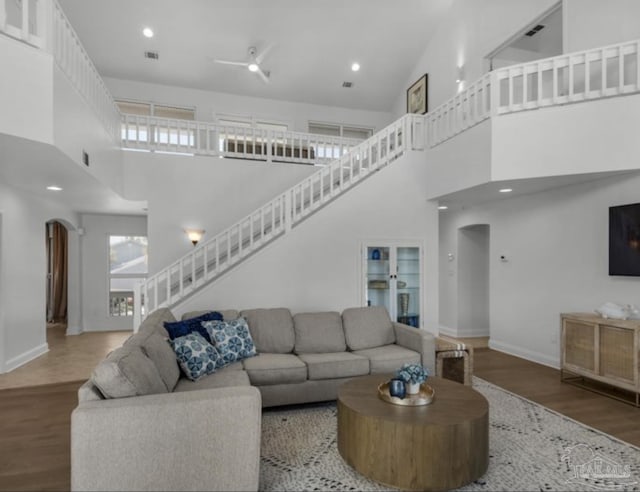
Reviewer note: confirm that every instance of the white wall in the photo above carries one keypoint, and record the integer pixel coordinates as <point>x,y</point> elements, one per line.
<point>461,162</point>
<point>77,128</point>
<point>593,23</point>
<point>297,115</point>
<point>318,265</point>
<point>557,246</point>
<point>572,139</point>
<point>23,272</point>
<point>26,91</point>
<point>95,267</point>
<point>471,30</point>
<point>200,192</point>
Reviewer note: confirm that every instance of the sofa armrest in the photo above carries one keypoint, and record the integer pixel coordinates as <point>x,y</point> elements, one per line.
<point>418,340</point>
<point>194,440</point>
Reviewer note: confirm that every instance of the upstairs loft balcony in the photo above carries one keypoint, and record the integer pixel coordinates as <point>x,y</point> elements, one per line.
<point>528,121</point>
<point>520,122</point>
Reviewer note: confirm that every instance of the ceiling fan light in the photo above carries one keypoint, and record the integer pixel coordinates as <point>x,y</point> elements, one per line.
<point>253,67</point>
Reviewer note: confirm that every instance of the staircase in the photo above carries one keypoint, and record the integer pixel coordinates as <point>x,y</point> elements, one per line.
<point>216,256</point>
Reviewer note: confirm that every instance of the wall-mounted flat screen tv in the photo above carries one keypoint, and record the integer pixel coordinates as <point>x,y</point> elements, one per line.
<point>624,240</point>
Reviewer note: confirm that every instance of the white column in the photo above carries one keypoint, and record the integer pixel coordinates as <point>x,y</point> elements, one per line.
<point>74,283</point>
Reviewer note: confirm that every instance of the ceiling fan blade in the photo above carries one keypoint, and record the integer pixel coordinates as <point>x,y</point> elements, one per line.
<point>261,56</point>
<point>228,62</point>
<point>263,75</point>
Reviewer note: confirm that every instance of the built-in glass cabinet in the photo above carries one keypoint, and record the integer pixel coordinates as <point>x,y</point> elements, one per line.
<point>392,278</point>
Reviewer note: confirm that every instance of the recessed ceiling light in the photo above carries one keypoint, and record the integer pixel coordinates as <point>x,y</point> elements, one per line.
<point>148,33</point>
<point>442,207</point>
<point>355,67</point>
<point>253,67</point>
<point>506,190</point>
<point>54,188</point>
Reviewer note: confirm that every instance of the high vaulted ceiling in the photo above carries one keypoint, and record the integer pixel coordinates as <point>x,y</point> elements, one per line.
<point>314,44</point>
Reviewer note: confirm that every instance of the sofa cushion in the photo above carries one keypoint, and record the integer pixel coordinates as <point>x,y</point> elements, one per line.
<point>226,313</point>
<point>318,333</point>
<point>266,369</point>
<point>367,327</point>
<point>196,356</point>
<point>271,329</point>
<point>222,378</point>
<point>388,358</point>
<point>157,348</point>
<point>232,339</point>
<point>155,321</point>
<point>186,326</point>
<point>127,371</point>
<point>335,365</point>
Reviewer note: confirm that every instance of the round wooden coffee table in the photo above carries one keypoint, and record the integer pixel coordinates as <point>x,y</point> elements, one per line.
<point>440,446</point>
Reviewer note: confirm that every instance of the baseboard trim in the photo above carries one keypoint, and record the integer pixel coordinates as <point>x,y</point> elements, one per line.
<point>74,330</point>
<point>449,332</point>
<point>471,334</point>
<point>507,348</point>
<point>28,356</point>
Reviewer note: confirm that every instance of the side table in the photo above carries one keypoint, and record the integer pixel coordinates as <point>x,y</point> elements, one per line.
<point>454,361</point>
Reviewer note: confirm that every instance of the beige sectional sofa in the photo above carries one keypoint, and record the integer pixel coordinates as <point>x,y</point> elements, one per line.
<point>141,425</point>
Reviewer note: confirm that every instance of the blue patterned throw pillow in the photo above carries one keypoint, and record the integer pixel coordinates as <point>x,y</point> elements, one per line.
<point>195,355</point>
<point>232,339</point>
<point>181,328</point>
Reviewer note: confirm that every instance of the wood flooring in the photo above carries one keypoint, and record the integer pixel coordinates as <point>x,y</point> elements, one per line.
<point>35,420</point>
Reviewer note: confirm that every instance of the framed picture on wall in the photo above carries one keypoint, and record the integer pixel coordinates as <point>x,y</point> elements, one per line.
<point>417,96</point>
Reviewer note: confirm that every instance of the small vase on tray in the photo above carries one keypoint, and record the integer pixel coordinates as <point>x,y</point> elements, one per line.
<point>412,388</point>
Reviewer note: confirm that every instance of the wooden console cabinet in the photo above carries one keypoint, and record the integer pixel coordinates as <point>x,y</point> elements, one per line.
<point>601,349</point>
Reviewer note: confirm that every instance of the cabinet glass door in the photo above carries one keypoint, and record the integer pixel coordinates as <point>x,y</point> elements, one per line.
<point>378,277</point>
<point>408,285</point>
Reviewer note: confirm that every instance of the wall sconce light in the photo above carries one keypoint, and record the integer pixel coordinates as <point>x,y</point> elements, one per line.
<point>460,74</point>
<point>194,235</point>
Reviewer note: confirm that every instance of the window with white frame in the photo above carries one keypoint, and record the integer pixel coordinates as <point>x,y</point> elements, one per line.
<point>139,131</point>
<point>128,264</point>
<point>329,151</point>
<point>245,128</point>
<point>340,130</point>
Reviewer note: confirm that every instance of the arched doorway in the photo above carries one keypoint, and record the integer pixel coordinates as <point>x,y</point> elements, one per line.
<point>473,281</point>
<point>57,272</point>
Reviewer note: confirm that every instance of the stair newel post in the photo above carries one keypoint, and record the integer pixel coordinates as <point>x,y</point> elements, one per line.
<point>25,20</point>
<point>44,21</point>
<point>137,306</point>
<point>494,93</point>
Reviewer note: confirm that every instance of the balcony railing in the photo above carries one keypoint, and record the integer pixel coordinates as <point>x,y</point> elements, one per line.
<point>572,78</point>
<point>25,20</point>
<point>205,138</point>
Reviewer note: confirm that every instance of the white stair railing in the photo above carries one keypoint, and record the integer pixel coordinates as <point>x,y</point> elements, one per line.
<point>73,60</point>
<point>466,109</point>
<point>575,77</point>
<point>206,138</point>
<point>217,255</point>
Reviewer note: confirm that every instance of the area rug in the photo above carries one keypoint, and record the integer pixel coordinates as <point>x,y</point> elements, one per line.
<point>531,448</point>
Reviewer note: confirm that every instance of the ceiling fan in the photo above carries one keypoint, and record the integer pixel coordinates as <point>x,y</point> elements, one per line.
<point>253,62</point>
